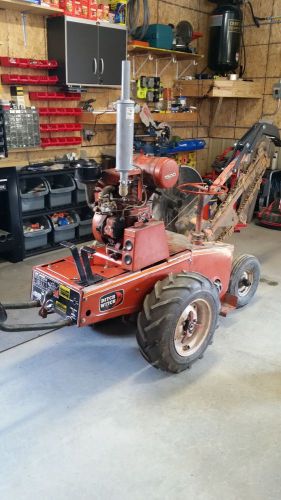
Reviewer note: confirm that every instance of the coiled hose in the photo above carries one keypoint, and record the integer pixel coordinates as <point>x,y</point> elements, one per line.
<point>134,8</point>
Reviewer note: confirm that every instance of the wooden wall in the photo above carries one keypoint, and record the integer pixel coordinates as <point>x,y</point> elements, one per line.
<point>12,44</point>
<point>263,48</point>
<point>163,11</point>
<point>263,54</point>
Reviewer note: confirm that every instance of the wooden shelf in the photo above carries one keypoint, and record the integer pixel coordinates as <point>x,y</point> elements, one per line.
<point>161,53</point>
<point>28,7</point>
<point>5,163</point>
<point>87,118</point>
<point>220,88</point>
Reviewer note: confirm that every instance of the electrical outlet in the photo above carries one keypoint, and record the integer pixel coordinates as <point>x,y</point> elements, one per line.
<point>276,90</point>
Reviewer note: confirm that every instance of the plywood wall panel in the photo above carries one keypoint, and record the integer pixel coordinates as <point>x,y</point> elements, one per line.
<point>257,36</point>
<point>256,61</point>
<point>227,113</point>
<point>269,82</point>
<point>274,61</point>
<point>263,48</point>
<point>262,8</point>
<point>248,112</point>
<point>224,132</point>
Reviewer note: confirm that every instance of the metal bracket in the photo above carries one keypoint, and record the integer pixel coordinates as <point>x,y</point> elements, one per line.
<point>180,75</point>
<point>171,60</point>
<point>136,71</point>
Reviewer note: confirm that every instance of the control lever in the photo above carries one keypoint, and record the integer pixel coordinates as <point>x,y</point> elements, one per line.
<point>83,265</point>
<point>76,257</point>
<point>91,278</point>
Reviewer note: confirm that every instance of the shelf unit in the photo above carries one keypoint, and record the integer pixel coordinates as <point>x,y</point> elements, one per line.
<point>220,89</point>
<point>50,211</point>
<point>87,118</point>
<point>161,53</point>
<point>10,210</point>
<point>155,54</point>
<point>29,8</point>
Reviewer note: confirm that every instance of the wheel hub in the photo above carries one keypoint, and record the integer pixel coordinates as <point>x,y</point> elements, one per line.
<point>245,283</point>
<point>192,327</point>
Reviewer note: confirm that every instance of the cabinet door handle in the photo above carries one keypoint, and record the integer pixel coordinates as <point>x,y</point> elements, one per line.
<point>95,66</point>
<point>102,66</point>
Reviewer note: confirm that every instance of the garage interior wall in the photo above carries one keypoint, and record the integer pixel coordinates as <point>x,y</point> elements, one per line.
<point>263,49</point>
<point>263,56</point>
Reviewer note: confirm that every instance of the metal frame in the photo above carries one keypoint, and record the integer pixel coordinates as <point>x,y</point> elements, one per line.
<point>169,61</point>
<point>180,75</point>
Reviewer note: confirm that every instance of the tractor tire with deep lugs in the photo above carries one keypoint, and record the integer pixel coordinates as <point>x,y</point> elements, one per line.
<point>244,278</point>
<point>178,321</point>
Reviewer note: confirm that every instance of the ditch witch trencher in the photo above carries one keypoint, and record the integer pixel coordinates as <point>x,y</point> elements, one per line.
<point>177,284</point>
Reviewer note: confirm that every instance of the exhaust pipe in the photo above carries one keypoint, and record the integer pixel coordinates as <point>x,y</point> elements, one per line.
<point>125,130</point>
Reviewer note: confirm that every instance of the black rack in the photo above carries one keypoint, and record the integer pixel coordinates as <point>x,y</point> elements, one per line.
<point>11,217</point>
<point>50,211</point>
<point>55,246</point>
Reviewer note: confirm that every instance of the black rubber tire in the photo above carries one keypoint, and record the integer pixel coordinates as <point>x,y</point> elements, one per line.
<point>249,264</point>
<point>161,311</point>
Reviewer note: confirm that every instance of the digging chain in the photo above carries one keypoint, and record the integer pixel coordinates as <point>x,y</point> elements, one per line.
<point>254,169</point>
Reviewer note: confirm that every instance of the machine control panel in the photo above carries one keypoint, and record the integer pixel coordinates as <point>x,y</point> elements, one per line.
<point>64,301</point>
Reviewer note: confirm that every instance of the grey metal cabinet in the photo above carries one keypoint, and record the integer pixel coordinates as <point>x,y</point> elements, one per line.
<point>112,51</point>
<point>88,53</point>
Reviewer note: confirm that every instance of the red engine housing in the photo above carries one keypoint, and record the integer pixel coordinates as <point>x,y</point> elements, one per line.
<point>125,224</point>
<point>158,171</point>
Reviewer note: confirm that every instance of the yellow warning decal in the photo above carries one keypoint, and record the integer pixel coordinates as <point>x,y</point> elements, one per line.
<point>61,307</point>
<point>64,292</point>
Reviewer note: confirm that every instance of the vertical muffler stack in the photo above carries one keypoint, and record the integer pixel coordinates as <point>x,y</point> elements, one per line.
<point>125,130</point>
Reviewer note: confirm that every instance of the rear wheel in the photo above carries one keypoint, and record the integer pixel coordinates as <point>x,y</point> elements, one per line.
<point>178,321</point>
<point>244,279</point>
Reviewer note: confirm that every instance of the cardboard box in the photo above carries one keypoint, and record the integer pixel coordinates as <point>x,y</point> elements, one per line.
<point>92,10</point>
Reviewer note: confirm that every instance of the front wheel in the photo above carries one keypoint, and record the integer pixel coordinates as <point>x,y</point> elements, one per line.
<point>244,278</point>
<point>178,321</point>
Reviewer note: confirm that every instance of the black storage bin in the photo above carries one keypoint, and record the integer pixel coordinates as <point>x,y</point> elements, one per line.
<point>33,191</point>
<point>60,189</point>
<point>37,238</point>
<point>67,232</point>
<point>80,192</point>
<point>85,224</point>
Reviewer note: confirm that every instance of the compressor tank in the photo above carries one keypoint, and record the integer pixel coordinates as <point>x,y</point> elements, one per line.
<point>225,30</point>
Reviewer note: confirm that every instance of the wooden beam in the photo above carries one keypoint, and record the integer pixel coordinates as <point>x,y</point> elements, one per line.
<point>110,118</point>
<point>28,7</point>
<point>220,88</point>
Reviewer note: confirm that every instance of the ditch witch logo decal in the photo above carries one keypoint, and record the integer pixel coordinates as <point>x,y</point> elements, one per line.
<point>111,300</point>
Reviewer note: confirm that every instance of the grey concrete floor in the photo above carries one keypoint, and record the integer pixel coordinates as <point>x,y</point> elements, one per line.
<point>84,417</point>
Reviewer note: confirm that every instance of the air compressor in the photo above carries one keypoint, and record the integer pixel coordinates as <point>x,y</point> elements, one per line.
<point>225,33</point>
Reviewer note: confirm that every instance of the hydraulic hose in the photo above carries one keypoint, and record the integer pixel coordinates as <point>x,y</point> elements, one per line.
<point>133,14</point>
